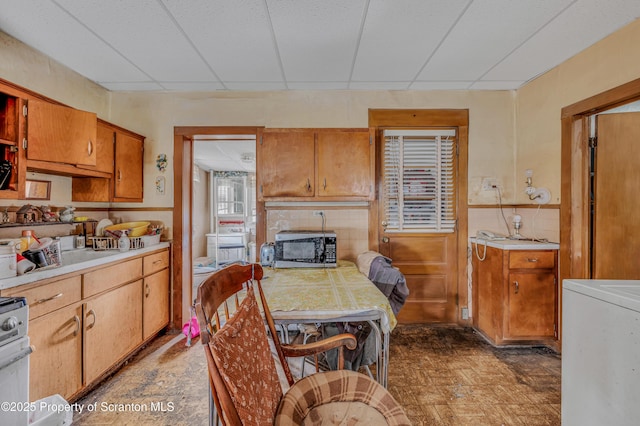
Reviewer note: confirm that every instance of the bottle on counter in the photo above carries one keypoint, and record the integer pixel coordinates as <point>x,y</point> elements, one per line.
<point>124,243</point>
<point>25,241</point>
<point>80,241</point>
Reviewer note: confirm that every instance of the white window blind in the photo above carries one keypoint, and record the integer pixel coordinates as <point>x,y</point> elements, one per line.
<point>419,180</point>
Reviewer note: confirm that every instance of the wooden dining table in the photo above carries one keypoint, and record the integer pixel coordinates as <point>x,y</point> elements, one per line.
<point>321,295</point>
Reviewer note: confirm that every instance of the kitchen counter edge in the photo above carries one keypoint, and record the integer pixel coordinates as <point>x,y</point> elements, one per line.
<point>109,256</point>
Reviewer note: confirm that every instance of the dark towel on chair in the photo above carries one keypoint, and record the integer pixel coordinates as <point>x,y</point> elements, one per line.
<point>390,281</point>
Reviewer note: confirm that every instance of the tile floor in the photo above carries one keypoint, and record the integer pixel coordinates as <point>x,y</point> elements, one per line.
<point>442,375</point>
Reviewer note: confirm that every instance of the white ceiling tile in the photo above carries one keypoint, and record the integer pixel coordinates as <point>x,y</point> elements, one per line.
<point>316,39</point>
<point>379,85</point>
<point>487,32</point>
<point>132,86</point>
<point>440,85</point>
<point>234,36</point>
<point>580,26</point>
<point>53,32</point>
<point>209,45</point>
<point>192,86</point>
<point>324,85</point>
<point>496,85</point>
<point>142,32</point>
<point>399,36</point>
<point>254,85</point>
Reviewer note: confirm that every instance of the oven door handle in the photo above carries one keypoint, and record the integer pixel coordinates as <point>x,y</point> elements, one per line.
<point>17,357</point>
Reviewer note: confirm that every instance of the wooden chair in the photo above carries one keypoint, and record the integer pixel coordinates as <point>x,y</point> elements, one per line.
<point>244,383</point>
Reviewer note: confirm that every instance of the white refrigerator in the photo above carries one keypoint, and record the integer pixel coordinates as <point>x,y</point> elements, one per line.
<point>600,352</point>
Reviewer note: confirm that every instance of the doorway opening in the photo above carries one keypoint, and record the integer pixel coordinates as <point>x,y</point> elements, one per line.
<point>184,152</point>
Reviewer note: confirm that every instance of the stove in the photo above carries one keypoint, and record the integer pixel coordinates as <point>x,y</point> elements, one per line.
<point>14,359</point>
<point>14,319</point>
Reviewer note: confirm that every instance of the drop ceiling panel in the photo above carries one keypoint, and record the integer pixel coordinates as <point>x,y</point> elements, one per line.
<point>580,26</point>
<point>316,39</point>
<point>234,36</point>
<point>53,32</point>
<point>225,155</point>
<point>144,33</point>
<point>487,33</point>
<point>398,37</point>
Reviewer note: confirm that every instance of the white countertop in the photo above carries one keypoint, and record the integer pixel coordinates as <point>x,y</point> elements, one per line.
<point>508,244</point>
<point>76,260</point>
<point>625,293</point>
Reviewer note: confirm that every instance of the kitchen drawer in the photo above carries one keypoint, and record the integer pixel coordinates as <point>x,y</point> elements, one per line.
<point>112,276</point>
<point>525,259</point>
<point>156,262</point>
<point>49,297</point>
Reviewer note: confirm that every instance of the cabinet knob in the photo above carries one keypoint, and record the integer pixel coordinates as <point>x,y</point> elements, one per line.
<point>89,148</point>
<point>517,286</point>
<point>147,290</point>
<point>308,185</point>
<point>385,239</point>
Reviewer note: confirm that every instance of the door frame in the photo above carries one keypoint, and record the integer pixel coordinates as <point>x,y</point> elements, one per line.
<point>574,206</point>
<point>380,118</point>
<point>181,263</point>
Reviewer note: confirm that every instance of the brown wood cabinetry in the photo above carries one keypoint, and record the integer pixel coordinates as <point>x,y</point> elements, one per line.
<point>85,323</point>
<point>155,303</point>
<point>112,328</point>
<point>315,164</point>
<point>11,152</point>
<point>123,160</point>
<point>515,295</point>
<point>60,134</point>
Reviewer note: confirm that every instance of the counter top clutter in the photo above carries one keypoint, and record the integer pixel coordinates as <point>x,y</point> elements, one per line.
<point>76,260</point>
<point>508,244</point>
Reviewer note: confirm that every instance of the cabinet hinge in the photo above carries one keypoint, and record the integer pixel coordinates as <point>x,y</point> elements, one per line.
<point>457,150</point>
<point>593,142</point>
<point>370,140</point>
<point>24,110</point>
<point>260,139</point>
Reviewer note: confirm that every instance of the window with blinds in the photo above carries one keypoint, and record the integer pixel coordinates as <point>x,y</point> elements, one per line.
<point>419,180</point>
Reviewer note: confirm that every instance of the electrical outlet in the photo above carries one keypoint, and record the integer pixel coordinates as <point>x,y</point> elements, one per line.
<point>318,213</point>
<point>489,183</point>
<point>465,313</point>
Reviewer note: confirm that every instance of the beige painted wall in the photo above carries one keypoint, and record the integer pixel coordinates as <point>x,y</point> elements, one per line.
<point>609,63</point>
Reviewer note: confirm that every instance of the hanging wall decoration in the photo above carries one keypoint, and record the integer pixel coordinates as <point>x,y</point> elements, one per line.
<point>160,183</point>
<point>161,162</point>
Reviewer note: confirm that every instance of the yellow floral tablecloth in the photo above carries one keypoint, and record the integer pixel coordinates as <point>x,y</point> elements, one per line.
<point>324,293</point>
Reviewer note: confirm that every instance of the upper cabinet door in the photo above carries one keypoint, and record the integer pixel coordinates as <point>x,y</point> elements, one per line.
<point>105,144</point>
<point>285,164</point>
<point>60,134</point>
<point>128,178</point>
<point>345,164</point>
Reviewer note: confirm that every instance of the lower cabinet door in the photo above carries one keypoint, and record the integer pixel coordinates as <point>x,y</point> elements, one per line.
<point>532,301</point>
<point>155,308</point>
<point>113,328</point>
<point>56,363</point>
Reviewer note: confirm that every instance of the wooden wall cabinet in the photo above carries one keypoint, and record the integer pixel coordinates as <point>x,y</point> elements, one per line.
<point>515,295</point>
<point>315,164</point>
<point>60,134</point>
<point>84,324</point>
<point>12,132</point>
<point>121,154</point>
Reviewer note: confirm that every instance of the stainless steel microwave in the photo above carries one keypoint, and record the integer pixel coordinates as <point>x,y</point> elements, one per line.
<point>305,249</point>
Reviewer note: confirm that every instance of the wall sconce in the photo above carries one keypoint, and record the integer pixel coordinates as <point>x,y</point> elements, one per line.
<point>539,195</point>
